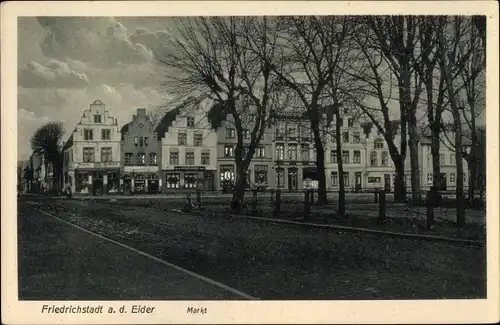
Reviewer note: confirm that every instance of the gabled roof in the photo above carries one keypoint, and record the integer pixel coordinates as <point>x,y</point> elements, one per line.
<point>69,143</point>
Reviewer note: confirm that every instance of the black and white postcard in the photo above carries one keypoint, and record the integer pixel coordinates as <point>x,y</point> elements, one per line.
<point>253,162</point>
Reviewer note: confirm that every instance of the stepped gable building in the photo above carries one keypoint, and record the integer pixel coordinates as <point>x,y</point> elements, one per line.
<point>92,153</point>
<point>140,155</point>
<point>188,149</point>
<point>260,171</point>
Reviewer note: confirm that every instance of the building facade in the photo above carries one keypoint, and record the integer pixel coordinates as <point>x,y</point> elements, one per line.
<point>447,164</point>
<point>294,157</point>
<point>140,156</point>
<point>260,170</point>
<point>92,153</point>
<point>188,150</point>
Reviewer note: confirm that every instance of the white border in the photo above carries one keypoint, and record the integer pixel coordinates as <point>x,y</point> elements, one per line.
<point>422,311</point>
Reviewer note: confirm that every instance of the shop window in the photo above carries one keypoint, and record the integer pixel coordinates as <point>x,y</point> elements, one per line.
<point>172,180</point>
<point>190,180</point>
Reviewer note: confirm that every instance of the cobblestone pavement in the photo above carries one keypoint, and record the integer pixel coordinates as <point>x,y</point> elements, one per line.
<point>270,261</point>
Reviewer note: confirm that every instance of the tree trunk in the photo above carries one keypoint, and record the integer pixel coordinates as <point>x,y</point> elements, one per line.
<point>239,186</point>
<point>399,182</point>
<point>436,163</point>
<point>415,170</point>
<point>340,164</point>
<point>458,143</point>
<point>320,167</point>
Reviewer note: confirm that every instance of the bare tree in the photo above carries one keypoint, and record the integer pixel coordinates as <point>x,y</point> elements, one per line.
<point>469,84</point>
<point>452,58</point>
<point>310,49</point>
<point>226,60</point>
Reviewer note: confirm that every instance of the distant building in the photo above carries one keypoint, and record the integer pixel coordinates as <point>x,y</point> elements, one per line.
<point>43,173</point>
<point>140,155</point>
<point>188,154</point>
<point>447,163</point>
<point>92,153</point>
<point>294,154</point>
<point>260,171</point>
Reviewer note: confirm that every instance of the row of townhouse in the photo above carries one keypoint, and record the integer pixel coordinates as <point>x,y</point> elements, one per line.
<point>183,152</point>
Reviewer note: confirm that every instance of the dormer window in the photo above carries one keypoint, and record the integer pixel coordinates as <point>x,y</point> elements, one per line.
<point>136,140</point>
<point>190,121</point>
<point>97,118</point>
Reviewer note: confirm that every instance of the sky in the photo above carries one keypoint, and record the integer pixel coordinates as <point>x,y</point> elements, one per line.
<point>66,63</point>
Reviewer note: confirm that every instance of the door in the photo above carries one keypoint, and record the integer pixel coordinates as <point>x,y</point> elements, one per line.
<point>209,182</point>
<point>387,182</point>
<point>292,179</point>
<point>443,182</point>
<point>357,181</point>
<point>97,186</point>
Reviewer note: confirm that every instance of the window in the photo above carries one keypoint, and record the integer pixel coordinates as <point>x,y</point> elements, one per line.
<point>152,158</point>
<point>145,141</point>
<point>333,156</point>
<point>245,151</point>
<point>373,158</point>
<point>429,160</point>
<point>106,154</point>
<point>378,144</point>
<point>350,122</point>
<point>226,174</point>
<point>292,152</point>
<point>88,155</point>
<point>172,180</point>
<point>189,180</point>
<point>228,151</point>
<point>205,158</point>
<point>198,140</point>
<point>190,121</point>
<point>260,174</point>
<point>356,158</point>
<point>246,134</point>
<point>452,178</point>
<point>141,158</point>
<point>252,118</point>
<point>374,180</point>
<point>141,141</point>
<point>345,137</point>
<point>429,178</point>
<point>345,156</point>
<point>128,158</point>
<point>280,173</point>
<point>280,130</point>
<point>97,119</point>
<point>280,152</point>
<point>334,177</point>
<point>260,152</point>
<point>346,178</point>
<point>136,140</point>
<point>182,138</point>
<point>230,134</point>
<point>442,159</point>
<point>88,134</point>
<point>105,134</point>
<point>189,158</point>
<point>174,158</point>
<point>452,159</point>
<point>304,152</point>
<point>356,137</point>
<point>292,131</point>
<point>385,158</point>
